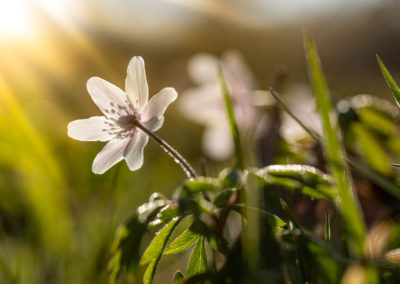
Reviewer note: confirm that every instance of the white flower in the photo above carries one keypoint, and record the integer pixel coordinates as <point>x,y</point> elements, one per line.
<point>205,105</point>
<point>120,110</point>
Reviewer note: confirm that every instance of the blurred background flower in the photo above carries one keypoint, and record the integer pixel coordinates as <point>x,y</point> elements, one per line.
<point>57,218</point>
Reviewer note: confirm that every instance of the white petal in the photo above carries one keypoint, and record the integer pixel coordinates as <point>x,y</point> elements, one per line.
<point>96,128</point>
<point>111,154</point>
<point>110,99</point>
<point>217,142</point>
<point>153,113</point>
<point>134,152</point>
<point>136,83</point>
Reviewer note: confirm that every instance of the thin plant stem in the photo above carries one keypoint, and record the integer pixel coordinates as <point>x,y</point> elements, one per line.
<point>288,110</point>
<point>187,168</point>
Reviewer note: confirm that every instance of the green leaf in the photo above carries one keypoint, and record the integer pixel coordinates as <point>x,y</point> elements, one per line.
<point>182,242</point>
<point>371,150</point>
<point>154,251</point>
<point>158,243</point>
<point>201,184</point>
<point>230,178</point>
<point>232,122</point>
<point>346,201</point>
<point>198,259</point>
<point>178,277</point>
<point>392,84</point>
<point>306,179</point>
<point>150,270</point>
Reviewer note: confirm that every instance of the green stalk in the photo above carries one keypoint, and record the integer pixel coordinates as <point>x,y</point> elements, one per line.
<point>346,200</point>
<point>187,168</point>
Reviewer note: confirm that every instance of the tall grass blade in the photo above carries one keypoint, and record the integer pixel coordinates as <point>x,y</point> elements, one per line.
<point>346,201</point>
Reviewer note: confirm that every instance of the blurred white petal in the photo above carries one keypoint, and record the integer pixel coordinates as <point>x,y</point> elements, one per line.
<point>203,105</point>
<point>203,68</point>
<point>111,154</point>
<point>96,128</point>
<point>217,142</point>
<point>153,112</point>
<point>136,86</point>
<point>110,99</point>
<point>236,69</point>
<point>301,101</point>
<point>134,151</point>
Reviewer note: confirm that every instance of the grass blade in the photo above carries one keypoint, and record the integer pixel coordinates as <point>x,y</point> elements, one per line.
<point>232,122</point>
<point>389,79</point>
<point>346,201</point>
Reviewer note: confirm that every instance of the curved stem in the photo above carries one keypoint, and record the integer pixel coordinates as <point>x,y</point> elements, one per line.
<point>187,168</point>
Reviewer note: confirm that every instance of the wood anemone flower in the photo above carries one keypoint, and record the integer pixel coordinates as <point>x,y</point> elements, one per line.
<point>123,111</point>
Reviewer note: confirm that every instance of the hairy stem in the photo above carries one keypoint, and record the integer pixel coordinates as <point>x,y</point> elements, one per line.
<point>187,168</point>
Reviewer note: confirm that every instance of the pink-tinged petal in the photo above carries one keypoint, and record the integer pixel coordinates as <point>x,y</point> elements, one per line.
<point>96,128</point>
<point>134,151</point>
<point>136,86</point>
<point>111,154</point>
<point>153,113</point>
<point>217,142</point>
<point>110,99</point>
<point>154,124</point>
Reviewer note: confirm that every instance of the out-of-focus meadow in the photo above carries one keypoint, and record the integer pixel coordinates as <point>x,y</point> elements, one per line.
<point>57,219</point>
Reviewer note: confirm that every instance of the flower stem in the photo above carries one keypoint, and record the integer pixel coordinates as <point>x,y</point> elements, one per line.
<point>187,168</point>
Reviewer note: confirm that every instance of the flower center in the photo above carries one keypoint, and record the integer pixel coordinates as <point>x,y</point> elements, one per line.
<point>126,120</point>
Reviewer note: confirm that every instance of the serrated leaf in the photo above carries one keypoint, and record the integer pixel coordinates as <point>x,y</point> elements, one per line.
<point>198,259</point>
<point>158,243</point>
<point>154,251</point>
<point>232,122</point>
<point>346,201</point>
<point>178,277</point>
<point>391,82</point>
<point>182,242</point>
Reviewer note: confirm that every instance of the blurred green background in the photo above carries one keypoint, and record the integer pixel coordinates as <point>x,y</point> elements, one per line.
<point>57,219</point>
